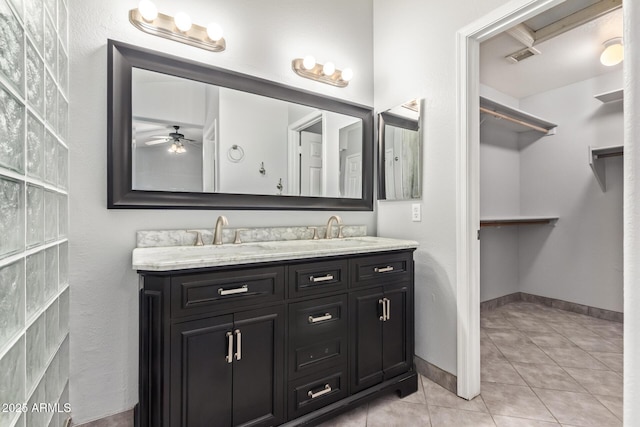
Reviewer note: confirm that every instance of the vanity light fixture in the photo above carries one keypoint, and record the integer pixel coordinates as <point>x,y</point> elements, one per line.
<point>613,53</point>
<point>179,28</point>
<point>307,67</point>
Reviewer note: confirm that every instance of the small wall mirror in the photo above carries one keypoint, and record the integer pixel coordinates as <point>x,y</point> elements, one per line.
<point>400,156</point>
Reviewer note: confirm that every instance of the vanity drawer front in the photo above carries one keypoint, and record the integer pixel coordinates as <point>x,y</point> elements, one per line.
<point>206,292</point>
<point>311,393</point>
<point>317,277</point>
<point>318,334</point>
<point>373,270</point>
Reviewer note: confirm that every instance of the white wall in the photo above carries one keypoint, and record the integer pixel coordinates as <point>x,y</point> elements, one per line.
<point>580,259</point>
<point>262,39</point>
<point>416,57</point>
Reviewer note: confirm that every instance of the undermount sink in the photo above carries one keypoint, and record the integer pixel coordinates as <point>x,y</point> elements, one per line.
<point>188,257</point>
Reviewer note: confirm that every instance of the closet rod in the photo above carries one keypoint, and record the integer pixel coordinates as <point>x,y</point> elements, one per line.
<point>511,119</point>
<point>602,156</point>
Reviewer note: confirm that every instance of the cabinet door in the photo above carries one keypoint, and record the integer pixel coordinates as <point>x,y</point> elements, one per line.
<point>396,351</point>
<point>201,375</point>
<point>258,386</point>
<point>366,335</point>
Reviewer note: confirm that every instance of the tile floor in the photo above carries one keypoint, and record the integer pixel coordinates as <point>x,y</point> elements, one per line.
<point>540,367</point>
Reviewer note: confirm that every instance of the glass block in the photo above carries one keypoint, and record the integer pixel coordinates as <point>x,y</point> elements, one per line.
<point>36,354</point>
<point>34,15</point>
<point>50,272</point>
<point>35,215</point>
<point>11,46</point>
<point>12,296</point>
<point>35,147</point>
<point>35,418</point>
<point>64,363</point>
<point>64,403</point>
<point>12,374</point>
<point>51,327</point>
<point>63,264</point>
<point>51,8</point>
<point>50,100</point>
<point>12,214</point>
<point>18,6</point>
<point>63,166</point>
<point>63,311</point>
<point>35,79</point>
<point>51,384</point>
<point>63,216</point>
<point>50,215</point>
<point>35,283</point>
<point>63,23</point>
<point>22,421</point>
<point>12,131</point>
<point>50,158</point>
<point>63,117</point>
<point>50,46</point>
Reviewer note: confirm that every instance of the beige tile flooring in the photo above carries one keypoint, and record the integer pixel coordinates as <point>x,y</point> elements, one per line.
<point>540,367</point>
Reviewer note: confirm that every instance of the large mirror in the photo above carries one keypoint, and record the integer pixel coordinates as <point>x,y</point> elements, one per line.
<point>188,135</point>
<point>400,152</point>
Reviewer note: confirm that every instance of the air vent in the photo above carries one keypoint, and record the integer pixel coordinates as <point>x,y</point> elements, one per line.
<point>523,54</point>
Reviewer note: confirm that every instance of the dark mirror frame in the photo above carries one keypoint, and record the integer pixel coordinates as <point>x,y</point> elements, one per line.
<point>120,193</point>
<point>391,120</point>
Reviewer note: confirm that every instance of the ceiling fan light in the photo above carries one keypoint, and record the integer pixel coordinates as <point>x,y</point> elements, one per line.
<point>613,53</point>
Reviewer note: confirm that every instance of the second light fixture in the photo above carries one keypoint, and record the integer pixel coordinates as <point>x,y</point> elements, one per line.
<point>307,67</point>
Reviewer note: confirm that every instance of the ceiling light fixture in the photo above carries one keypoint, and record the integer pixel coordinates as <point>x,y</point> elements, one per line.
<point>146,18</point>
<point>177,148</point>
<point>613,53</point>
<point>327,73</point>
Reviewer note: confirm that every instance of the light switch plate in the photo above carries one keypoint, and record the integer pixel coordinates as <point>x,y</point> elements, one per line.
<point>416,212</point>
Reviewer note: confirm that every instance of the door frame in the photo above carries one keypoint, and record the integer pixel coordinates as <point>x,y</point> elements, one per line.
<point>468,41</point>
<point>293,138</point>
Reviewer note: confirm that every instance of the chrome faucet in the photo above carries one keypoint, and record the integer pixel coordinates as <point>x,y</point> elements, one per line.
<point>217,233</point>
<point>338,221</point>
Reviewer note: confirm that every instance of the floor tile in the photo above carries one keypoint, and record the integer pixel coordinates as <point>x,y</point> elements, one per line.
<point>489,351</point>
<point>447,417</point>
<point>595,344</point>
<point>548,377</point>
<point>611,330</point>
<point>612,403</point>
<point>502,421</point>
<point>397,414</point>
<point>354,418</point>
<point>574,358</point>
<point>524,354</point>
<point>549,339</point>
<point>495,322</point>
<point>571,329</point>
<point>606,383</point>
<point>418,396</point>
<point>614,361</point>
<point>439,396</point>
<point>531,325</point>
<point>508,337</point>
<point>578,409</point>
<point>499,372</point>
<point>516,401</point>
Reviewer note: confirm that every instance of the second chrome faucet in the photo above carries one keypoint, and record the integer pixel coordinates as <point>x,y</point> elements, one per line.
<point>338,221</point>
<point>217,232</point>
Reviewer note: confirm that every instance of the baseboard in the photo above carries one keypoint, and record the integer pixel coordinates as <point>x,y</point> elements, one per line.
<point>123,419</point>
<point>439,376</point>
<point>573,307</point>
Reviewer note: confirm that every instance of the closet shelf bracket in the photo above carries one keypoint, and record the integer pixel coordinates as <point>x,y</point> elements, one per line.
<point>596,161</point>
<point>516,120</point>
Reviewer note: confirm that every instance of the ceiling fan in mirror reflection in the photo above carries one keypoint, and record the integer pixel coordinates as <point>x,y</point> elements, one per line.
<point>176,138</point>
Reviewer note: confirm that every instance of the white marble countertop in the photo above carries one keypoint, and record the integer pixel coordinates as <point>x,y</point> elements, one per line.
<point>187,257</point>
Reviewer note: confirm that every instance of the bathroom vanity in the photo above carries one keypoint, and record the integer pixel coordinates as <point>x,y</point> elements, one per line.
<point>273,333</point>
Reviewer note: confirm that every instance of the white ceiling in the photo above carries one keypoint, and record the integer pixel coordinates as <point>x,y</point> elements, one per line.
<point>568,58</point>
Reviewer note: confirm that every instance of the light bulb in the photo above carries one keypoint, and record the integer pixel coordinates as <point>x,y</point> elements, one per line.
<point>182,21</point>
<point>613,53</point>
<point>328,69</point>
<point>214,31</point>
<point>148,10</point>
<point>308,62</point>
<point>181,149</point>
<point>347,74</point>
<point>173,148</point>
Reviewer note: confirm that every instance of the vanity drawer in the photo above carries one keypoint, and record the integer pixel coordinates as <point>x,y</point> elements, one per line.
<point>317,277</point>
<point>205,292</point>
<point>311,393</point>
<point>318,333</point>
<point>383,268</point>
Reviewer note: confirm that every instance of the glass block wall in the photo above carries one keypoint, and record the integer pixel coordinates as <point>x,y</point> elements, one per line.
<point>34,288</point>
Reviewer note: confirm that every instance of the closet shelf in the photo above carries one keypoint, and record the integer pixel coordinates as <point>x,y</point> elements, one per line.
<point>517,220</point>
<point>596,161</point>
<point>611,96</point>
<point>514,119</point>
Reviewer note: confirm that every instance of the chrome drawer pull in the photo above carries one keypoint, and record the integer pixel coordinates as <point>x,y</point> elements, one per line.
<point>238,344</point>
<point>240,290</point>
<point>229,357</point>
<point>321,279</point>
<point>383,269</point>
<point>325,390</point>
<point>383,318</point>
<point>388,304</point>
<point>327,316</point>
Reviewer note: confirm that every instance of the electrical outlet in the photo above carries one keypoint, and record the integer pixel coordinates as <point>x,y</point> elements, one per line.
<point>416,212</point>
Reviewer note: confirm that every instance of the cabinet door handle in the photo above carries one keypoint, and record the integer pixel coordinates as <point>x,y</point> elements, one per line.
<point>240,290</point>
<point>388,304</point>
<point>383,318</point>
<point>238,344</point>
<point>321,279</point>
<point>229,357</point>
<point>325,390</point>
<point>383,269</point>
<point>327,316</point>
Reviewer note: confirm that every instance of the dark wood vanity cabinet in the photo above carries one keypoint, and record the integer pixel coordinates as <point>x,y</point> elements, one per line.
<point>283,343</point>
